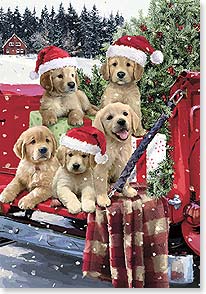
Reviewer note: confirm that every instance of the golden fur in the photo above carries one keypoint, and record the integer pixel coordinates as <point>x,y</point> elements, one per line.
<point>62,97</point>
<point>123,89</point>
<point>35,170</point>
<point>74,186</point>
<point>117,121</point>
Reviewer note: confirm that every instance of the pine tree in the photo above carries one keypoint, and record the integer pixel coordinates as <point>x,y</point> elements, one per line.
<point>60,25</point>
<point>29,26</point>
<point>72,20</point>
<point>9,29</point>
<point>51,26</point>
<point>95,32</point>
<point>17,22</point>
<point>85,32</point>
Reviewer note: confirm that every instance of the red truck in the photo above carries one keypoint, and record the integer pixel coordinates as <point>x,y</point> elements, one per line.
<point>16,103</point>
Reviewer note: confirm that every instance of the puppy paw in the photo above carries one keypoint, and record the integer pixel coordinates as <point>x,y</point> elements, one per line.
<point>26,203</point>
<point>6,197</point>
<point>49,121</point>
<point>103,200</point>
<point>75,121</point>
<point>130,192</point>
<point>88,206</point>
<point>74,207</point>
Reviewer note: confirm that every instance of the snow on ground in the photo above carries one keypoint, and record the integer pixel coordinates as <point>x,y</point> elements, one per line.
<point>16,69</point>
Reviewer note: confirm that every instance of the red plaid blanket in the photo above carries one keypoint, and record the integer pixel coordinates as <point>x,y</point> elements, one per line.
<point>127,243</point>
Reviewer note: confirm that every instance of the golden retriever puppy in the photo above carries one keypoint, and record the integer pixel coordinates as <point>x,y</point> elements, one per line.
<point>123,74</point>
<point>62,97</point>
<point>73,182</point>
<point>117,121</point>
<point>36,147</point>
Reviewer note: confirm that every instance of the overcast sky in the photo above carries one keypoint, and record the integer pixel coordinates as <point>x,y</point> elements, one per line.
<point>127,8</point>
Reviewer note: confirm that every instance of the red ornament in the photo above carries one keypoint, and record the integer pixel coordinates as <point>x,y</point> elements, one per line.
<point>159,35</point>
<point>189,49</point>
<point>150,98</point>
<point>171,70</point>
<point>164,98</point>
<point>87,81</point>
<point>197,26</point>
<point>180,28</point>
<point>143,27</point>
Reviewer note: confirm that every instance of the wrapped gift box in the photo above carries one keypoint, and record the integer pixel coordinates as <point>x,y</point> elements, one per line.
<point>61,127</point>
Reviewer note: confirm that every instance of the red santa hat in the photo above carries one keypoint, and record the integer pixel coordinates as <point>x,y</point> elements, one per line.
<point>86,139</point>
<point>51,57</point>
<point>135,48</point>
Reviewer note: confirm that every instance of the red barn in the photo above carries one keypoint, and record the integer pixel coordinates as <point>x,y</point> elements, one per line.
<point>14,46</point>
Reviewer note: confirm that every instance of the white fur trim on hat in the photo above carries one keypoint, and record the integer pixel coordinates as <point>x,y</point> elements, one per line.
<point>78,145</point>
<point>129,52</point>
<point>157,57</point>
<point>57,63</point>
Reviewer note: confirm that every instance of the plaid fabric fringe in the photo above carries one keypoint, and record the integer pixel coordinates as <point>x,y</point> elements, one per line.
<point>127,243</point>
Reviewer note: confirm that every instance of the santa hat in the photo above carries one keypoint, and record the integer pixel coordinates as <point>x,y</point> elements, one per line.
<point>135,48</point>
<point>51,57</point>
<point>86,139</point>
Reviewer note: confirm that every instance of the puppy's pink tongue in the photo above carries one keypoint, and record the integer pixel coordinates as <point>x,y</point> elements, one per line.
<point>123,134</point>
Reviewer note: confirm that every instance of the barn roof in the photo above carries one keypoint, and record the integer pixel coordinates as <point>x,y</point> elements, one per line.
<point>11,38</point>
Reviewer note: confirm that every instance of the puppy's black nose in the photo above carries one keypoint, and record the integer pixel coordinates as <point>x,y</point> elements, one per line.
<point>121,122</point>
<point>71,85</point>
<point>76,166</point>
<point>43,150</point>
<point>120,74</point>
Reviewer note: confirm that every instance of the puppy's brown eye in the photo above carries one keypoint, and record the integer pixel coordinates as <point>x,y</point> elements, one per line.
<point>72,75</point>
<point>114,64</point>
<point>125,113</point>
<point>47,140</point>
<point>33,142</point>
<point>128,64</point>
<point>60,76</point>
<point>110,117</point>
<point>84,155</point>
<point>70,154</point>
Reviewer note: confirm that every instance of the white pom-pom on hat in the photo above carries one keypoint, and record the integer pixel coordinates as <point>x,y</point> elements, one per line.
<point>33,75</point>
<point>101,159</point>
<point>157,57</point>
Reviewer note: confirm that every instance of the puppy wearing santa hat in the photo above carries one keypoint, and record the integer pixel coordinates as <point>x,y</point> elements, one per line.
<point>124,66</point>
<point>58,76</point>
<point>79,151</point>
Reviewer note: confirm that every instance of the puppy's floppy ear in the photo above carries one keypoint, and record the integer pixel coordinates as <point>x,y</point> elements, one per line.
<point>98,122</point>
<point>46,81</point>
<point>92,162</point>
<point>77,79</point>
<point>138,71</point>
<point>104,70</point>
<point>19,148</point>
<point>54,142</point>
<point>135,120</point>
<point>61,155</point>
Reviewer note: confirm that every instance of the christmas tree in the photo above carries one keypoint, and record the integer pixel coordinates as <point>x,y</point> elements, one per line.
<point>172,26</point>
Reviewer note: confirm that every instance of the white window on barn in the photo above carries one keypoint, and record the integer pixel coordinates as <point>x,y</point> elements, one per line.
<point>22,51</point>
<point>11,44</point>
<point>7,51</point>
<point>18,44</point>
<point>17,51</point>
